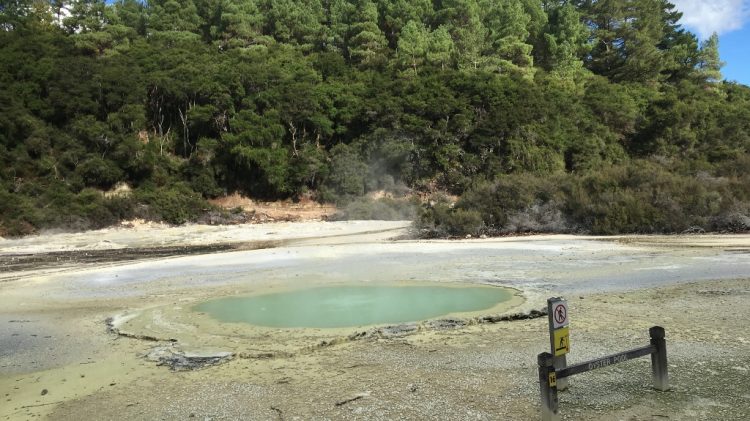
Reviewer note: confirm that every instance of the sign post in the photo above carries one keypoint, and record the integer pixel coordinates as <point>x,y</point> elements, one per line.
<point>548,383</point>
<point>559,335</point>
<point>550,377</point>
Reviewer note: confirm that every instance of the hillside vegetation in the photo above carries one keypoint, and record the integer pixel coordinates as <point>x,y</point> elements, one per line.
<point>598,116</point>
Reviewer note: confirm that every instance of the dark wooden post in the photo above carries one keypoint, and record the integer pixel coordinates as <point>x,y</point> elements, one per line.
<point>548,387</point>
<point>659,358</point>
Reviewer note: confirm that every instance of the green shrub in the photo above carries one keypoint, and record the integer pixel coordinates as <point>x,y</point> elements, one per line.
<point>440,218</point>
<point>640,197</point>
<point>175,205</point>
<point>347,177</point>
<point>98,172</point>
<point>18,213</point>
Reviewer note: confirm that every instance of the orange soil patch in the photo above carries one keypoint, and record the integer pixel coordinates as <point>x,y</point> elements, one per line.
<point>286,210</point>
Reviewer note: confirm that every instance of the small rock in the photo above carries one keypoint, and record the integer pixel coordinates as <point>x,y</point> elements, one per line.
<point>177,359</point>
<point>44,392</point>
<point>398,330</point>
<point>444,324</point>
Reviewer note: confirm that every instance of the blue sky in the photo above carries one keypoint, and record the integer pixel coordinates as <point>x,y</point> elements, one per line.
<point>731,20</point>
<point>734,48</point>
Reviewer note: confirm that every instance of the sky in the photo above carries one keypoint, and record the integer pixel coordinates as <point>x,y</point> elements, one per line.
<point>731,20</point>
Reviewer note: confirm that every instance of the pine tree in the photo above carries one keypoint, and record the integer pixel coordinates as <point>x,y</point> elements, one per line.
<point>642,32</point>
<point>709,64</point>
<point>566,40</point>
<point>463,19</point>
<point>297,21</point>
<point>395,14</point>
<point>367,44</point>
<point>507,24</point>
<point>413,45</point>
<point>239,24</point>
<point>174,16</point>
<point>85,16</point>
<point>440,47</point>
<point>339,15</point>
<point>129,13</point>
<point>680,47</point>
<point>630,37</point>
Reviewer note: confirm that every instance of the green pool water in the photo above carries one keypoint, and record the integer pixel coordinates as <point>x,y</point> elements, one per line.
<point>347,306</point>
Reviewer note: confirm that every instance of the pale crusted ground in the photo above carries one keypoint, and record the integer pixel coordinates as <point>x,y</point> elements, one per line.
<point>53,339</point>
<point>478,372</point>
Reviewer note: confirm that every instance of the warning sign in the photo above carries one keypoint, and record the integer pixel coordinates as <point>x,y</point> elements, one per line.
<point>559,314</point>
<point>561,340</point>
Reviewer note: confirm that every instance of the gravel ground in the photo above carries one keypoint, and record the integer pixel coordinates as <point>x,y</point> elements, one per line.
<point>58,362</point>
<point>482,372</point>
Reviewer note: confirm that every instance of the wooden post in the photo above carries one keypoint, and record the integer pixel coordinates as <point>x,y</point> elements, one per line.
<point>561,361</point>
<point>548,387</point>
<point>550,377</point>
<point>659,358</point>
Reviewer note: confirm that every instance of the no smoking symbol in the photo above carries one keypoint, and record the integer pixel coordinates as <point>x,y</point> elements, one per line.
<point>560,314</point>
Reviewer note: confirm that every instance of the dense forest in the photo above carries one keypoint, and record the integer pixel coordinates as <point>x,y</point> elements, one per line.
<point>493,116</point>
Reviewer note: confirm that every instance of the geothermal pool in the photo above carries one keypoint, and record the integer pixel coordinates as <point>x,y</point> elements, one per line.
<point>353,305</point>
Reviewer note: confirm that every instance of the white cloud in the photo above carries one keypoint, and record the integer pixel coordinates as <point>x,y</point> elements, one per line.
<point>705,17</point>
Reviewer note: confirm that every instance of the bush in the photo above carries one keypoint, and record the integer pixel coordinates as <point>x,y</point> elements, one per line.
<point>506,196</point>
<point>346,180</point>
<point>175,205</point>
<point>451,222</point>
<point>98,172</point>
<point>640,197</point>
<point>736,219</point>
<point>18,213</point>
<point>440,218</point>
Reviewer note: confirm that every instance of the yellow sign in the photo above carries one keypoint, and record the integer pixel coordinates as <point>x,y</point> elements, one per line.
<point>552,379</point>
<point>562,341</point>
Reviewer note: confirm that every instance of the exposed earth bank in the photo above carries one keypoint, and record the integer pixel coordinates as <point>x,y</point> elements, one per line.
<point>58,360</point>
